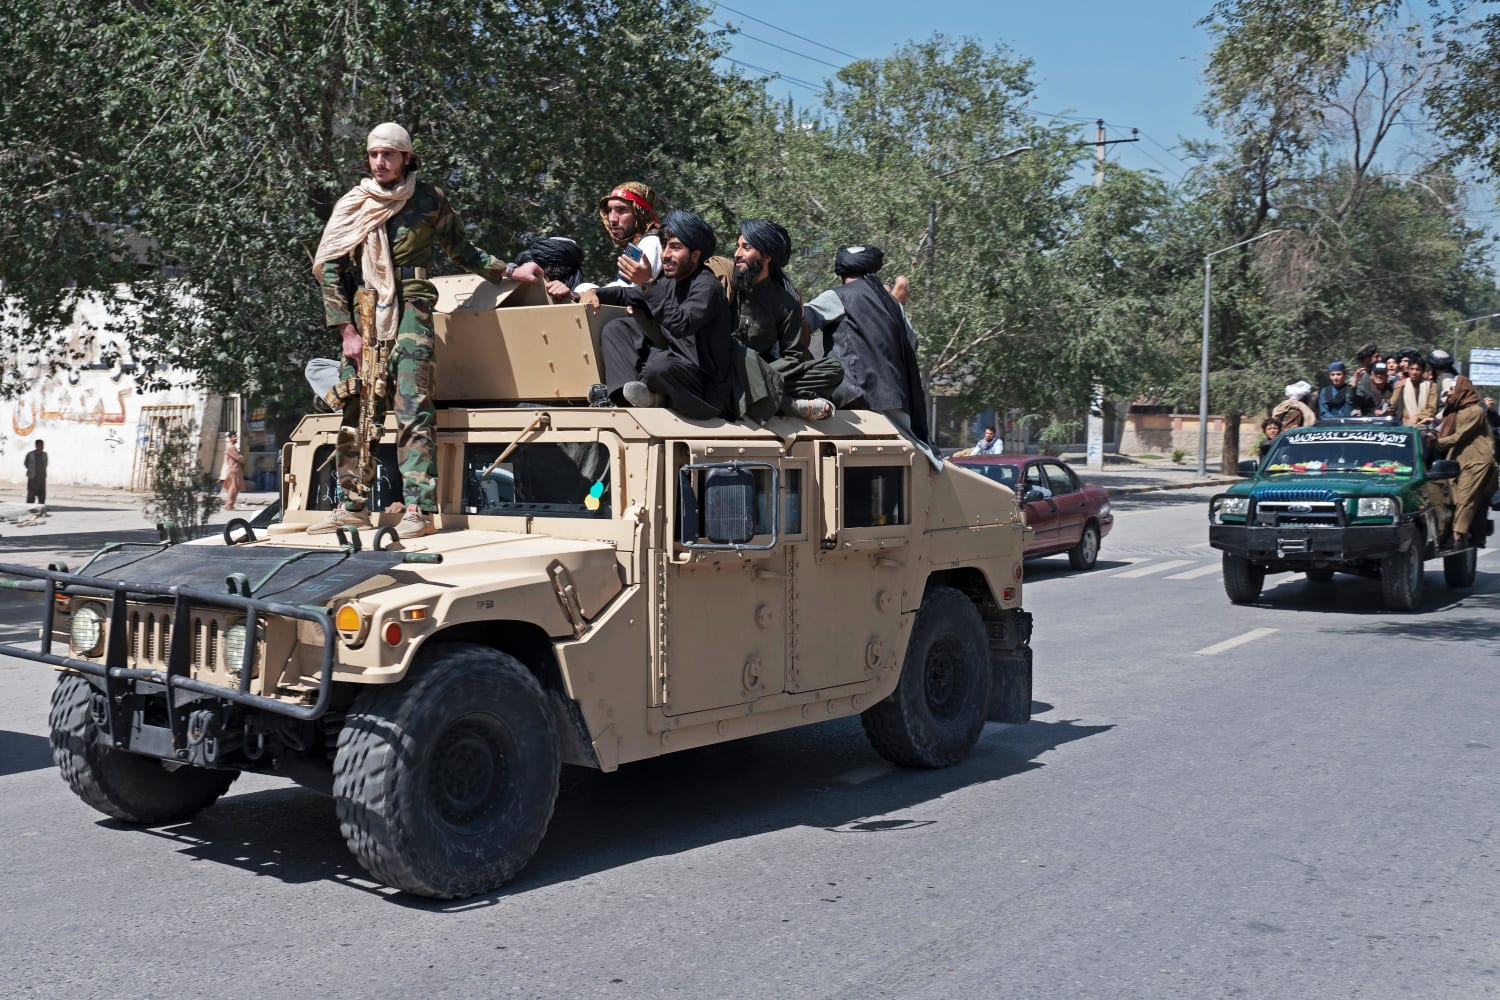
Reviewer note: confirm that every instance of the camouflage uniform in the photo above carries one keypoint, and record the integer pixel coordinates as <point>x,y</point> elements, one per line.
<point>426,221</point>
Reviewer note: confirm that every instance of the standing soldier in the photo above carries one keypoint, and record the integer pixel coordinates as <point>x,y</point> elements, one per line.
<point>382,234</point>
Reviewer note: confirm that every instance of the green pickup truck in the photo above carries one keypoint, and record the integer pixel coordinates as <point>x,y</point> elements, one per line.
<point>1349,496</point>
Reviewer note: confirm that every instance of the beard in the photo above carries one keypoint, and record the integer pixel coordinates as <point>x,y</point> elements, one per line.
<point>743,279</point>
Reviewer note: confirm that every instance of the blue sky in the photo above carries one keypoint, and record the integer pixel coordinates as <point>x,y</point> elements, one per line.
<point>1136,65</point>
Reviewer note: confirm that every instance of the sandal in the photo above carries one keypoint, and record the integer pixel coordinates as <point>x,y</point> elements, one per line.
<point>813,409</point>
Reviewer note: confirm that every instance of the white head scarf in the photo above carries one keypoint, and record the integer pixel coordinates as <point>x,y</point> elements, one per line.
<point>1298,390</point>
<point>389,135</point>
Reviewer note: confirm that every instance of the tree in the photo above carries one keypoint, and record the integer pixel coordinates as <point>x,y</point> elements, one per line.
<point>192,151</point>
<point>1309,94</point>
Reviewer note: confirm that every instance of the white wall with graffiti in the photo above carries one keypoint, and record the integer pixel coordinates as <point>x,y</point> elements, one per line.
<point>94,417</point>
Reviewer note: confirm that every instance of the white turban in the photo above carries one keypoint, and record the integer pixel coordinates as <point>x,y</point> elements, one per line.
<point>1298,390</point>
<point>389,135</point>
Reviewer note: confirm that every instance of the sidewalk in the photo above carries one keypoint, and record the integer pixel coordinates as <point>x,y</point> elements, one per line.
<point>82,519</point>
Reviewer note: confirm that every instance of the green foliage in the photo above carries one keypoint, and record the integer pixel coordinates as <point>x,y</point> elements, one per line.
<point>210,140</point>
<point>182,494</point>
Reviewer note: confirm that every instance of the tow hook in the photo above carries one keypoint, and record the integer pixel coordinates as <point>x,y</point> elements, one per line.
<point>255,742</point>
<point>203,736</point>
<point>99,709</point>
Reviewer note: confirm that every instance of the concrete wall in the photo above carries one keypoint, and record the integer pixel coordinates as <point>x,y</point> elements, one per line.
<point>91,416</point>
<point>1163,433</point>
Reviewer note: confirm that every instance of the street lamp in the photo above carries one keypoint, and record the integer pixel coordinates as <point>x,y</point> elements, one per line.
<point>1208,265</point>
<point>1464,322</point>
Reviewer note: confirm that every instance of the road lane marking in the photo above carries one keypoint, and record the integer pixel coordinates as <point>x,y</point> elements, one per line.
<point>1150,568</point>
<point>1239,640</point>
<point>1193,574</point>
<point>1486,552</point>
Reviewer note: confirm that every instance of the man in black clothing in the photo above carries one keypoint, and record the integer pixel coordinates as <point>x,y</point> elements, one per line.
<point>866,329</point>
<point>675,348</point>
<point>768,320</point>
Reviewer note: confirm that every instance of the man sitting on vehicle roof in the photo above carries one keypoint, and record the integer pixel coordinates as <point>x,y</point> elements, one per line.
<point>629,216</point>
<point>561,261</point>
<point>767,314</point>
<point>862,325</point>
<point>675,348</point>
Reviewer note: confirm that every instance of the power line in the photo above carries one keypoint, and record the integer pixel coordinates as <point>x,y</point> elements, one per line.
<point>783,48</point>
<point>777,27</point>
<point>774,75</point>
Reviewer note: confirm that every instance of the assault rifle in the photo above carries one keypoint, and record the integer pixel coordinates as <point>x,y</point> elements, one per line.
<point>361,400</point>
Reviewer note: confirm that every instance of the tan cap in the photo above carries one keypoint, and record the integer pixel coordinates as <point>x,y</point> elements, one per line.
<point>389,135</point>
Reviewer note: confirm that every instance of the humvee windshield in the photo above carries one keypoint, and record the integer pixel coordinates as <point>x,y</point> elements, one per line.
<point>1341,450</point>
<point>568,479</point>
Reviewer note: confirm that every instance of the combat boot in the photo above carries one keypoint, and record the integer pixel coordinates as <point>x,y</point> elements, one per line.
<point>340,517</point>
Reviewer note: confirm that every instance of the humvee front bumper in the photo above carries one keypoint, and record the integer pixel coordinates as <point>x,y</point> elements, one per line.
<point>162,710</point>
<point>1296,545</point>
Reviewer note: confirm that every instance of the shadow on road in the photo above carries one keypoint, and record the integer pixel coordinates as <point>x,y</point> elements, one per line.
<point>1357,595</point>
<point>20,752</point>
<point>1049,567</point>
<point>664,806</point>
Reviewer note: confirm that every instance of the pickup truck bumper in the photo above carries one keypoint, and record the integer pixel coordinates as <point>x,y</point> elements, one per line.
<point>1300,545</point>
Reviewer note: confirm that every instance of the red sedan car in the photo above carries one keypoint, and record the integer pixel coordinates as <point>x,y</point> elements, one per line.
<point>1065,513</point>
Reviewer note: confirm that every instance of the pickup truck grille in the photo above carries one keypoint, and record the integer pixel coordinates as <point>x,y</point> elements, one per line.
<point>1312,514</point>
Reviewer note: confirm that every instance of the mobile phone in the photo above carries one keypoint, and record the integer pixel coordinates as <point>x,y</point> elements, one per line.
<point>633,252</point>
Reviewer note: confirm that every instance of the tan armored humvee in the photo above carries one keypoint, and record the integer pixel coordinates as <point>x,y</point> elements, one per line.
<point>606,585</point>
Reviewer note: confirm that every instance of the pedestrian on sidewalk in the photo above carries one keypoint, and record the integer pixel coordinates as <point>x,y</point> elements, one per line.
<point>36,475</point>
<point>232,479</point>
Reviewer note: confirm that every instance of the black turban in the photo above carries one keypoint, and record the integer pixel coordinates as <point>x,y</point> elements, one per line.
<point>851,262</point>
<point>560,259</point>
<point>690,228</point>
<point>770,239</point>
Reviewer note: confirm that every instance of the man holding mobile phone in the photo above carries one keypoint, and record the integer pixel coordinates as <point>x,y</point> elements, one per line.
<point>629,216</point>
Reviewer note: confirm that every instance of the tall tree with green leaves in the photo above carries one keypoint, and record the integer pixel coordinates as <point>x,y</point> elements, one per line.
<point>190,153</point>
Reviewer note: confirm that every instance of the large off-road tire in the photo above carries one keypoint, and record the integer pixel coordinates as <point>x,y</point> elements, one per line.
<point>1243,580</point>
<point>444,783</point>
<point>1320,574</point>
<point>1459,568</point>
<point>938,708</point>
<point>124,785</point>
<point>1402,579</point>
<point>1086,552</point>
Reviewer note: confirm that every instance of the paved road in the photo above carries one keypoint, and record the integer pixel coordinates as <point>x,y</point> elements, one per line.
<point>1295,799</point>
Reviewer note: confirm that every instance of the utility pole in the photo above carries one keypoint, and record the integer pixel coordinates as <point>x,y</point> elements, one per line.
<point>1094,446</point>
<point>1099,153</point>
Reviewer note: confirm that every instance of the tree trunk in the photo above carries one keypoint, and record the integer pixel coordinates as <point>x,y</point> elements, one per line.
<point>1230,453</point>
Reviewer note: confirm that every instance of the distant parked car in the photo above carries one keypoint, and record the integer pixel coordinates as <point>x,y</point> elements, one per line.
<point>1065,513</point>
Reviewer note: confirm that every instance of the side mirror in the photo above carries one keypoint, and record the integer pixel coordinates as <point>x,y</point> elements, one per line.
<point>1443,468</point>
<point>1248,468</point>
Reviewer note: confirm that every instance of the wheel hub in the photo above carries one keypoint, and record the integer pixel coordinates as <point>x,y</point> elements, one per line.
<point>467,772</point>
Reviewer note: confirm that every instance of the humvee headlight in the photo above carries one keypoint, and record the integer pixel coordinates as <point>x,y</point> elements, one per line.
<point>1377,507</point>
<point>86,630</point>
<point>234,646</point>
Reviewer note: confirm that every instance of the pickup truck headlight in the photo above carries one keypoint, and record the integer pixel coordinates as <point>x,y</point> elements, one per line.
<point>1233,506</point>
<point>1377,507</point>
